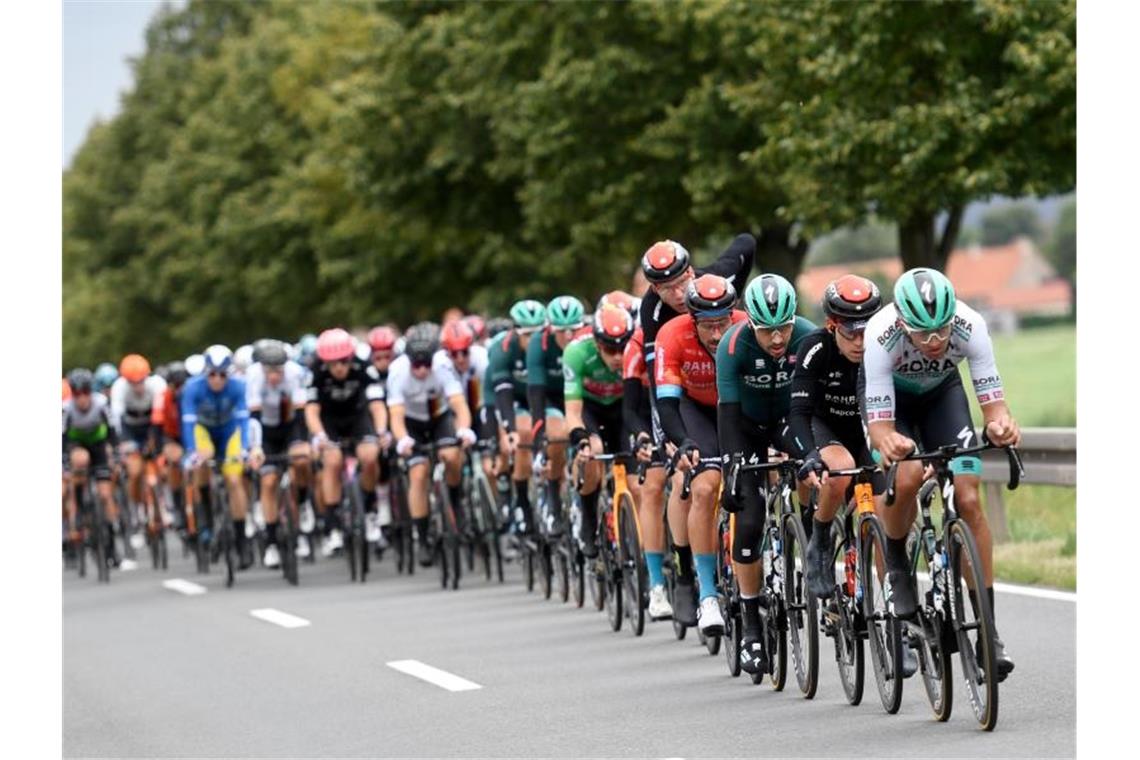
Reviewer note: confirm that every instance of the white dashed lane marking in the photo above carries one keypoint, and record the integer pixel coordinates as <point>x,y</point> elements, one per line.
<point>277,617</point>
<point>184,587</point>
<point>440,678</point>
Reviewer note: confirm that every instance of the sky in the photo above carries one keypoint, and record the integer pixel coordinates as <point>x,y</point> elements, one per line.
<point>98,37</point>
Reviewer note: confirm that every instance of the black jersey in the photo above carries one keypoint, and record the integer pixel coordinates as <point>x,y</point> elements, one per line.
<point>347,397</point>
<point>824,386</point>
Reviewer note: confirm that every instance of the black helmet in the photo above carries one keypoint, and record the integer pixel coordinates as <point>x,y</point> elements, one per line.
<point>270,353</point>
<point>851,298</point>
<point>177,374</point>
<point>421,341</point>
<point>496,325</point>
<point>664,261</point>
<point>81,379</point>
<point>710,295</point>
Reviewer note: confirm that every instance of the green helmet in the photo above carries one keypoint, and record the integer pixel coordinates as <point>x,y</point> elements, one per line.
<point>565,312</point>
<point>770,301</point>
<point>925,299</point>
<point>528,314</point>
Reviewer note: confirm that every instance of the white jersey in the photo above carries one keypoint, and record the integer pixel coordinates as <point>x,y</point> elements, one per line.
<point>471,380</point>
<point>891,363</point>
<point>275,402</point>
<point>136,409</point>
<point>423,400</point>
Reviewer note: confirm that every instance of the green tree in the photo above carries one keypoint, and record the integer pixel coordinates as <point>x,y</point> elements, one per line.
<point>874,240</point>
<point>1062,248</point>
<point>1002,224</point>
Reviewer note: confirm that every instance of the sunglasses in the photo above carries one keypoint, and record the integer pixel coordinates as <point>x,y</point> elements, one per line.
<point>849,334</point>
<point>925,337</point>
<point>777,330</point>
<point>421,363</point>
<point>460,354</point>
<point>216,373</point>
<point>385,355</point>
<point>340,361</point>
<point>606,348</point>
<point>527,330</point>
<point>85,392</point>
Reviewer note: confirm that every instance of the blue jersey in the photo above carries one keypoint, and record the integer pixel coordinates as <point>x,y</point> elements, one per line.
<point>219,413</point>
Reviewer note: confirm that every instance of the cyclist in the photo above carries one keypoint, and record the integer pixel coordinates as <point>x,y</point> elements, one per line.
<point>462,354</point>
<point>243,358</point>
<point>478,327</point>
<point>686,404</point>
<point>912,394</point>
<point>215,423</point>
<point>87,433</point>
<point>496,326</point>
<point>651,500</point>
<point>136,407</point>
<point>620,299</point>
<point>276,395</point>
<point>382,341</point>
<point>507,379</point>
<point>171,425</point>
<point>754,364</point>
<point>345,401</point>
<point>195,364</point>
<point>66,391</point>
<point>105,376</point>
<point>417,390</point>
<point>591,367</point>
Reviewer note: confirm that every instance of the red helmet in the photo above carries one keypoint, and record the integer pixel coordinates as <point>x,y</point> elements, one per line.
<point>135,368</point>
<point>381,338</point>
<point>66,389</point>
<point>477,325</point>
<point>456,335</point>
<point>618,298</point>
<point>335,344</point>
<point>613,326</point>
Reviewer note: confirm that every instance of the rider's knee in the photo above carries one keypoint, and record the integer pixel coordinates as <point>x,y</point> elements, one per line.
<point>705,487</point>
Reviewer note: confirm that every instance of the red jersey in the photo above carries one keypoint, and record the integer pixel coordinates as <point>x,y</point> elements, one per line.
<point>682,364</point>
<point>633,360</point>
<point>171,414</point>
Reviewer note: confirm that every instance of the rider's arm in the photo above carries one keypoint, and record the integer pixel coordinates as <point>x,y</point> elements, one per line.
<point>574,419</point>
<point>536,381</point>
<point>189,415</point>
<point>396,419</point>
<point>735,263</point>
<point>241,410</point>
<point>118,401</point>
<point>458,404</point>
<point>374,392</point>
<point>313,407</point>
<point>983,368</point>
<point>876,386</point>
<point>669,387</point>
<point>501,383</point>
<point>632,394</point>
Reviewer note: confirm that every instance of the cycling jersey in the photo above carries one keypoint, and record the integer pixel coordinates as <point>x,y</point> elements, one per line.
<point>506,377</point>
<point>683,365</point>
<point>544,380</point>
<point>220,414</point>
<point>347,398</point>
<point>172,414</point>
<point>423,400</point>
<point>472,380</point>
<point>586,375</point>
<point>748,375</point>
<point>635,387</point>
<point>90,427</point>
<point>891,363</point>
<point>134,410</point>
<point>275,405</point>
<point>825,388</point>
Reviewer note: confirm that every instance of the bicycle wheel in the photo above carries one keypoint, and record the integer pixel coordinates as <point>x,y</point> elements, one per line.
<point>546,570</point>
<point>562,570</point>
<point>679,628</point>
<point>577,571</point>
<point>712,643</point>
<point>102,531</point>
<point>441,559</point>
<point>803,625</point>
<point>733,632</point>
<point>632,564</point>
<point>488,527</point>
<point>973,628</point>
<point>772,599</point>
<point>611,585</point>
<point>202,538</point>
<point>883,629</point>
<point>845,622</point>
<point>529,562</point>
<point>934,639</point>
<point>126,519</point>
<point>287,530</point>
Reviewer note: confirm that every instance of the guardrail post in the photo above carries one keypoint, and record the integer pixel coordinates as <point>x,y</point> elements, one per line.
<point>995,511</point>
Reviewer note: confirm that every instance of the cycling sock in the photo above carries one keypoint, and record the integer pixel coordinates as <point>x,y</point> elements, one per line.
<point>653,561</point>
<point>421,524</point>
<point>302,494</point>
<point>751,609</point>
<point>684,562</point>
<point>204,497</point>
<point>369,500</point>
<point>239,529</point>
<point>556,496</point>
<point>522,494</point>
<point>271,533</point>
<point>590,514</point>
<point>706,574</point>
<point>896,554</point>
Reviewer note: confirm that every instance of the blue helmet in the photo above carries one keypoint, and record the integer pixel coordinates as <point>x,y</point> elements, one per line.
<point>218,358</point>
<point>105,375</point>
<point>306,347</point>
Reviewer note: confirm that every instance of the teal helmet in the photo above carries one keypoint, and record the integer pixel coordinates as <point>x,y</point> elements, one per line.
<point>528,314</point>
<point>770,301</point>
<point>566,313</point>
<point>925,299</point>
<point>105,376</point>
<point>306,346</point>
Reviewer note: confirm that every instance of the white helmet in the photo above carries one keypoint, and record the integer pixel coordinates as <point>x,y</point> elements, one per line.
<point>243,357</point>
<point>363,351</point>
<point>218,358</point>
<point>195,364</point>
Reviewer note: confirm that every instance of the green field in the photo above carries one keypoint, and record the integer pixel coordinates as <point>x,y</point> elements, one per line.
<point>1039,371</point>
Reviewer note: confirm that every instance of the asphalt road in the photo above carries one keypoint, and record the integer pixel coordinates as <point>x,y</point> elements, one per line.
<point>152,672</point>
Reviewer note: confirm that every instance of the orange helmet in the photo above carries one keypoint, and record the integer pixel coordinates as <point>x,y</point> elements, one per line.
<point>456,336</point>
<point>134,367</point>
<point>618,298</point>
<point>66,389</point>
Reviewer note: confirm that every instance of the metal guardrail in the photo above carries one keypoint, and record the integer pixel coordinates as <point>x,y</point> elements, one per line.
<point>1050,458</point>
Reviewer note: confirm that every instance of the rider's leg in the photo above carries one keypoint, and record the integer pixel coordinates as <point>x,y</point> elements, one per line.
<point>556,429</point>
<point>650,507</point>
<point>591,483</point>
<point>702,527</point>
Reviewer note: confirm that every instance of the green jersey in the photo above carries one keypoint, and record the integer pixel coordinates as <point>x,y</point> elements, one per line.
<point>506,364</point>
<point>544,365</point>
<point>748,375</point>
<point>586,374</point>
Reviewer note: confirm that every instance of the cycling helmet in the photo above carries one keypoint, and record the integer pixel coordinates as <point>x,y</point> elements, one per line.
<point>382,338</point>
<point>770,301</point>
<point>195,364</point>
<point>335,344</point>
<point>135,368</point>
<point>81,380</point>
<point>105,375</point>
<point>270,353</point>
<point>618,298</point>
<point>709,296</point>
<point>565,313</point>
<point>66,391</point>
<point>852,299</point>
<point>243,357</point>
<point>925,299</point>
<point>363,351</point>
<point>177,374</point>
<point>528,314</point>
<point>218,358</point>
<point>665,260</point>
<point>421,341</point>
<point>613,326</point>
<point>477,324</point>
<point>306,346</point>
<point>457,335</point>
<point>496,325</point>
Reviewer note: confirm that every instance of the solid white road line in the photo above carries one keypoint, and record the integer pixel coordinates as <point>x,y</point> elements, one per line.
<point>184,587</point>
<point>277,617</point>
<point>440,678</point>
<point>1040,593</point>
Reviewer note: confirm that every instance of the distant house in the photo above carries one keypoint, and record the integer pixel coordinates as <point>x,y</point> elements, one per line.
<point>1005,283</point>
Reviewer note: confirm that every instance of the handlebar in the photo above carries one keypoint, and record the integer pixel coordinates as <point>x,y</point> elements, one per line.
<point>737,467</point>
<point>951,451</point>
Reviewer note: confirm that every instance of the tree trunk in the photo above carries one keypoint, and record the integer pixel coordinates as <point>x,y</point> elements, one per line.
<point>776,253</point>
<point>920,246</point>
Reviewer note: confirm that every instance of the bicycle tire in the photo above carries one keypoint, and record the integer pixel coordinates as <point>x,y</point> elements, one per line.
<point>934,650</point>
<point>528,564</point>
<point>979,676</point>
<point>287,530</point>
<point>776,621</point>
<point>577,572</point>
<point>126,518</point>
<point>632,564</point>
<point>803,622</point>
<point>883,629</point>
<point>546,570</point>
<point>611,587</point>
<point>102,529</point>
<point>848,635</point>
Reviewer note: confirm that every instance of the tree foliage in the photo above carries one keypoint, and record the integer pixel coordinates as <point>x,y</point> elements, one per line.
<point>1002,224</point>
<point>280,167</point>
